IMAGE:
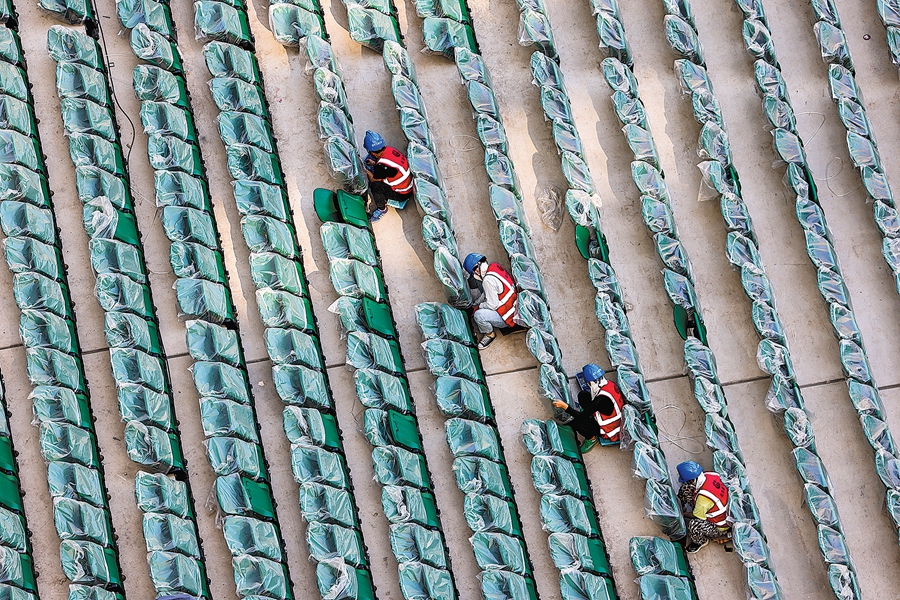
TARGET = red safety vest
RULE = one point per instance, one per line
(611, 424)
(507, 296)
(402, 182)
(709, 485)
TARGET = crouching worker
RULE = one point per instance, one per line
(600, 417)
(389, 176)
(496, 300)
(704, 499)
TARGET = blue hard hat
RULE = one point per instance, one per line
(592, 372)
(688, 470)
(472, 260)
(373, 142)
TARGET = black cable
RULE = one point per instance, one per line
(112, 87)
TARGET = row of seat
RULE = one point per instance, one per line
(372, 23)
(19, 201)
(662, 569)
(317, 456)
(862, 389)
(233, 440)
(678, 279)
(132, 330)
(568, 512)
(389, 421)
(742, 252)
(889, 11)
(462, 395)
(297, 22)
(534, 28)
(53, 356)
(582, 204)
(515, 236)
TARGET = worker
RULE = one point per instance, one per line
(600, 417)
(496, 299)
(704, 500)
(388, 173)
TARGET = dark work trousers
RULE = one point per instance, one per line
(380, 192)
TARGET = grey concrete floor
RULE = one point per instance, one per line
(512, 373)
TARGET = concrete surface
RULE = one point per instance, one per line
(512, 375)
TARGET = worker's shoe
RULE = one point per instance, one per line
(377, 214)
(589, 444)
(486, 340)
(692, 548)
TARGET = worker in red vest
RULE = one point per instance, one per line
(388, 173)
(600, 417)
(497, 308)
(704, 498)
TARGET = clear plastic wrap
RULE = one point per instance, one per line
(423, 582)
(223, 22)
(604, 279)
(534, 29)
(413, 543)
(471, 438)
(653, 555)
(619, 77)
(683, 39)
(450, 273)
(444, 36)
(437, 234)
(833, 44)
(720, 435)
(445, 357)
(507, 206)
(495, 551)
(758, 41)
(459, 397)
(526, 274)
(661, 506)
(612, 37)
(371, 27)
(415, 127)
(154, 48)
(291, 24)
(344, 164)
(544, 348)
(471, 66)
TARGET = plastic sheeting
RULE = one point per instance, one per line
(439, 321)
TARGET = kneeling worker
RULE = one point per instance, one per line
(388, 173)
(600, 417)
(497, 309)
(704, 499)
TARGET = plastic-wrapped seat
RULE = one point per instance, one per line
(326, 504)
(163, 118)
(326, 540)
(423, 582)
(81, 521)
(278, 308)
(376, 389)
(82, 592)
(577, 585)
(396, 466)
(489, 513)
(174, 573)
(544, 438)
(414, 543)
(16, 115)
(152, 83)
(302, 386)
(219, 21)
(230, 93)
(346, 241)
(218, 380)
(245, 128)
(169, 533)
(155, 15)
(227, 60)
(567, 514)
(46, 330)
(471, 438)
(575, 551)
(35, 291)
(666, 586)
(365, 315)
(19, 183)
(458, 397)
(291, 23)
(310, 426)
(60, 404)
(155, 48)
(499, 551)
(84, 116)
(232, 455)
(404, 504)
(67, 443)
(557, 475)
(265, 234)
(475, 475)
(289, 346)
(158, 493)
(440, 321)
(241, 496)
(70, 45)
(336, 579)
(89, 563)
(204, 299)
(355, 278)
(258, 198)
(370, 351)
(17, 569)
(313, 464)
(75, 80)
(443, 36)
(214, 343)
(372, 28)
(227, 418)
(192, 260)
(658, 556)
(245, 535)
(249, 162)
(46, 366)
(258, 576)
(391, 428)
(168, 153)
(445, 357)
(153, 447)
